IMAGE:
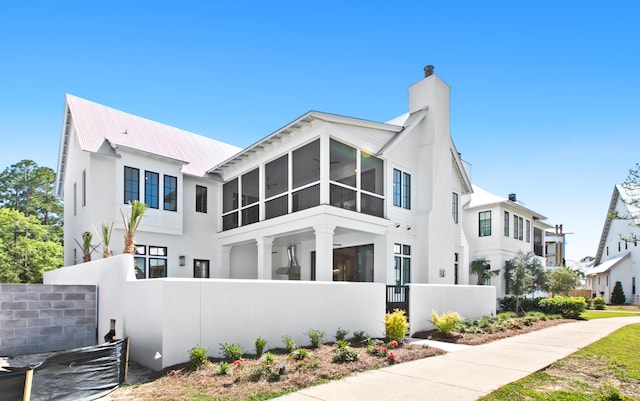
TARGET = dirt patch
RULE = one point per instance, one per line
(477, 339)
(184, 383)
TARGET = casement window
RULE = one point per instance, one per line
(201, 199)
(152, 259)
(151, 189)
(506, 224)
(456, 278)
(402, 263)
(484, 224)
(528, 231)
(518, 227)
(200, 268)
(170, 193)
(454, 207)
(131, 184)
(401, 189)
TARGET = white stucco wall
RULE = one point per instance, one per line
(170, 316)
(470, 301)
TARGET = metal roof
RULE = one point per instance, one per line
(95, 123)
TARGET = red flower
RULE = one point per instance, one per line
(394, 343)
(392, 356)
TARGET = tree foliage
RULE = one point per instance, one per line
(562, 280)
(631, 198)
(26, 248)
(30, 189)
(482, 269)
(525, 275)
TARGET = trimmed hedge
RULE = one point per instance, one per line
(508, 304)
(568, 307)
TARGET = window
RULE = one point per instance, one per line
(170, 193)
(306, 165)
(250, 197)
(528, 231)
(454, 207)
(75, 199)
(230, 204)
(84, 188)
(158, 263)
(276, 177)
(402, 263)
(131, 184)
(456, 278)
(151, 189)
(353, 264)
(401, 189)
(506, 224)
(201, 199)
(200, 268)
(518, 227)
(372, 175)
(155, 257)
(484, 223)
(633, 286)
(342, 163)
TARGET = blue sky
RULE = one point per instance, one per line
(545, 95)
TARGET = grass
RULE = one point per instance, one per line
(606, 370)
(601, 314)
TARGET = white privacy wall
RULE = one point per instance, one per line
(470, 301)
(167, 317)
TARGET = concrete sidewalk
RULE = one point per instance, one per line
(468, 373)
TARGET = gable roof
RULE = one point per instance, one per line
(97, 126)
(483, 198)
(629, 194)
(305, 119)
(607, 265)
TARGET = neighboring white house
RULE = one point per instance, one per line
(326, 197)
(618, 256)
(497, 228)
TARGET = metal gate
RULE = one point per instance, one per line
(398, 298)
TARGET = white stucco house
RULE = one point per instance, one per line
(618, 256)
(497, 228)
(326, 197)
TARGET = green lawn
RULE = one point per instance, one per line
(606, 370)
(599, 314)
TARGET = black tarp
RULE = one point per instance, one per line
(79, 374)
(12, 383)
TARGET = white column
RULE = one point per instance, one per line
(224, 262)
(264, 257)
(324, 251)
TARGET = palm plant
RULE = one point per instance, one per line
(87, 247)
(106, 239)
(482, 269)
(131, 224)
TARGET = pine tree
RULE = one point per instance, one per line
(617, 295)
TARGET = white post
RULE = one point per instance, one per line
(264, 257)
(324, 251)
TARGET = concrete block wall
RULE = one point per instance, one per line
(38, 318)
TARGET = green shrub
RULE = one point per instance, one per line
(269, 368)
(231, 352)
(198, 357)
(508, 303)
(396, 325)
(299, 354)
(260, 343)
(598, 303)
(341, 334)
(617, 295)
(289, 343)
(344, 353)
(223, 369)
(316, 337)
(568, 307)
(362, 338)
(447, 323)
